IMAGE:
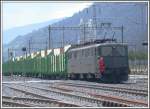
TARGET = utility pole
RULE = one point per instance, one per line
(84, 33)
(94, 20)
(8, 54)
(135, 63)
(10, 57)
(29, 47)
(122, 32)
(94, 15)
(24, 52)
(145, 45)
(46, 45)
(49, 41)
(63, 37)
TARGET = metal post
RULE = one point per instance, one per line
(145, 44)
(9, 60)
(84, 34)
(46, 45)
(122, 32)
(63, 36)
(94, 20)
(49, 43)
(11, 57)
(29, 46)
(8, 54)
(24, 51)
(135, 63)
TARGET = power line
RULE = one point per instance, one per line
(36, 43)
(78, 27)
(81, 28)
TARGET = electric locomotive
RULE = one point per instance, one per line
(100, 60)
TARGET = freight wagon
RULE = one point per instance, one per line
(45, 64)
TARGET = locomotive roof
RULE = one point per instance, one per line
(95, 45)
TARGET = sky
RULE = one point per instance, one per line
(16, 14)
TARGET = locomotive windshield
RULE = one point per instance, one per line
(113, 51)
(106, 51)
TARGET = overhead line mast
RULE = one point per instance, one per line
(49, 41)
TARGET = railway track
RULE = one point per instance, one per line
(96, 98)
(41, 99)
(14, 104)
(90, 102)
(139, 92)
(110, 98)
(34, 102)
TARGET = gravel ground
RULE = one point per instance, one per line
(18, 78)
(16, 81)
(89, 90)
(57, 96)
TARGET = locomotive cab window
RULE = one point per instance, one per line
(106, 51)
(120, 51)
(113, 51)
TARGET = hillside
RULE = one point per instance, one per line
(131, 15)
(11, 34)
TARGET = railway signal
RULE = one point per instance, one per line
(145, 43)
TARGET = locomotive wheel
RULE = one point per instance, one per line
(72, 76)
(81, 77)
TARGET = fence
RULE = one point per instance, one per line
(138, 66)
